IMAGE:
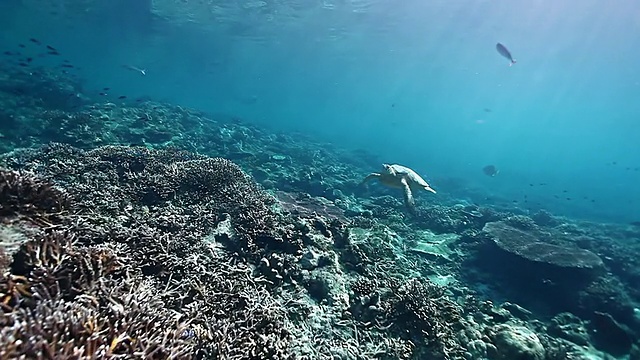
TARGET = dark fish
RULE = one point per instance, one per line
(8, 53)
(53, 53)
(23, 64)
(502, 50)
(106, 89)
(29, 60)
(35, 41)
(67, 66)
(490, 170)
(122, 97)
(102, 94)
(51, 48)
(22, 46)
(487, 110)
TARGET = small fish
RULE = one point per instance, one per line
(502, 50)
(490, 170)
(67, 66)
(121, 97)
(23, 64)
(133, 68)
(487, 110)
(21, 45)
(53, 53)
(35, 41)
(29, 60)
(51, 48)
(106, 89)
(102, 94)
(9, 53)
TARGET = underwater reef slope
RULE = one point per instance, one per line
(131, 252)
(148, 230)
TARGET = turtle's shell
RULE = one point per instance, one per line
(412, 176)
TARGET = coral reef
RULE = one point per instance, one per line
(217, 239)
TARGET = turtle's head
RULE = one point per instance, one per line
(389, 169)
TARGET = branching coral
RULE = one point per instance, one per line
(123, 230)
(23, 194)
(65, 302)
(420, 309)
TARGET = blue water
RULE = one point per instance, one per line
(417, 82)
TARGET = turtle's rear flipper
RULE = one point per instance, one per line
(408, 196)
(428, 188)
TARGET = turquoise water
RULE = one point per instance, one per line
(419, 83)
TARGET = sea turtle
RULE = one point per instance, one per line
(398, 176)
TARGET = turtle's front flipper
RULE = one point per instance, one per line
(368, 178)
(408, 196)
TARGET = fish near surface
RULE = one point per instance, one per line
(502, 50)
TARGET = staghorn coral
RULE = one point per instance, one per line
(91, 328)
(168, 241)
(23, 194)
(60, 301)
(134, 179)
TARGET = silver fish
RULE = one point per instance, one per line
(505, 52)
